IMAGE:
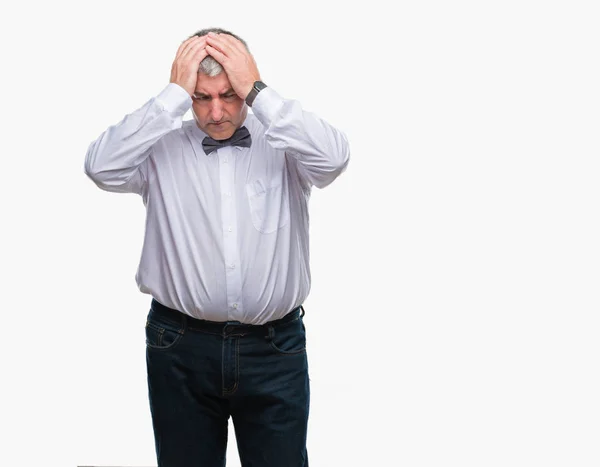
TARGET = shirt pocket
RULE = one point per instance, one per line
(269, 205)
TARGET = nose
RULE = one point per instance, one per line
(216, 110)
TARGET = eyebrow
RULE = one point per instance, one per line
(201, 94)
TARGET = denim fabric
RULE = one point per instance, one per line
(202, 372)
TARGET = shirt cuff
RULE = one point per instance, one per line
(175, 100)
(266, 106)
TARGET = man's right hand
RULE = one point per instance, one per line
(184, 71)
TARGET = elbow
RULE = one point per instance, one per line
(343, 159)
(101, 174)
(340, 161)
(337, 165)
(94, 169)
(89, 169)
(343, 153)
(90, 166)
(96, 177)
(108, 180)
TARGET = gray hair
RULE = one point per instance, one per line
(209, 66)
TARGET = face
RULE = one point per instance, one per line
(217, 109)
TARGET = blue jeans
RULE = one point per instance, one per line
(202, 372)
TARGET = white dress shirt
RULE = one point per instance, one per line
(226, 235)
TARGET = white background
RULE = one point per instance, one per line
(454, 315)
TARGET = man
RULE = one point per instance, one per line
(226, 252)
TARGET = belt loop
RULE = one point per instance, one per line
(184, 321)
(302, 311)
(269, 337)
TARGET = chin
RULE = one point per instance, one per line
(221, 133)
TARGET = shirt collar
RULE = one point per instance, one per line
(192, 128)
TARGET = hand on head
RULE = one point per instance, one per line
(236, 60)
(184, 70)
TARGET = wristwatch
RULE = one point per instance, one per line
(256, 88)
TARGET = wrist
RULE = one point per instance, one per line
(175, 99)
(257, 86)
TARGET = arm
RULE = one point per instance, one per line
(115, 160)
(321, 151)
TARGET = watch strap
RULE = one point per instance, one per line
(256, 88)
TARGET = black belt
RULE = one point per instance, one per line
(217, 327)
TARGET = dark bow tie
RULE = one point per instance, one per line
(241, 137)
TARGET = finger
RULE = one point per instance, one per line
(198, 42)
(193, 48)
(214, 53)
(185, 47)
(233, 42)
(219, 44)
(200, 55)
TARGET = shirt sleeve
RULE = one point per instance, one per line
(321, 151)
(115, 161)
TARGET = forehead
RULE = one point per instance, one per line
(212, 84)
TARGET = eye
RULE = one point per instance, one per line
(200, 98)
(230, 96)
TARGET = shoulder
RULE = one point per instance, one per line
(177, 135)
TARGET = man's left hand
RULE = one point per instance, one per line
(237, 62)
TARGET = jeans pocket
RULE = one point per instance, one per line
(289, 338)
(162, 334)
(269, 205)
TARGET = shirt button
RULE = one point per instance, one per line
(225, 160)
(232, 266)
(235, 305)
(230, 229)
